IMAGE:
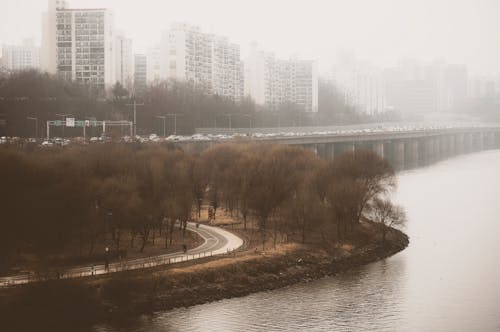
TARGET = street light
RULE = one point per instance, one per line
(36, 125)
(229, 115)
(106, 262)
(174, 115)
(249, 120)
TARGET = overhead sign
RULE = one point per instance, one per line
(87, 123)
(70, 122)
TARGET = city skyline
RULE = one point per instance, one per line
(399, 22)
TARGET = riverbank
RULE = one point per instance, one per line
(260, 272)
(122, 297)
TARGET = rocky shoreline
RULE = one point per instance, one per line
(267, 273)
(121, 298)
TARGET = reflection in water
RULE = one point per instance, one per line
(448, 279)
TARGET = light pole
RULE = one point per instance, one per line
(36, 125)
(174, 115)
(163, 118)
(229, 115)
(249, 120)
(106, 262)
(135, 114)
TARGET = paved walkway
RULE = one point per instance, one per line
(217, 241)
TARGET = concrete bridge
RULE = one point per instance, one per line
(405, 147)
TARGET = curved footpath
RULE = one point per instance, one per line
(216, 242)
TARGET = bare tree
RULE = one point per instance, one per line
(383, 211)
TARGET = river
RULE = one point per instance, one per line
(448, 279)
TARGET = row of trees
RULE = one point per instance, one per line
(34, 94)
(292, 191)
(53, 198)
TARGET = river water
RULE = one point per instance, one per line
(448, 279)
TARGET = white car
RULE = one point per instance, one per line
(47, 144)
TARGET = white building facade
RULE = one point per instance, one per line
(153, 64)
(274, 82)
(124, 61)
(18, 57)
(209, 62)
(79, 44)
(140, 74)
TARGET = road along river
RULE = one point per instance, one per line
(216, 242)
(448, 279)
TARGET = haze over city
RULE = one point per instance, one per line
(380, 32)
(249, 165)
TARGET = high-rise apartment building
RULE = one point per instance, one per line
(140, 74)
(49, 35)
(361, 84)
(16, 57)
(438, 87)
(274, 82)
(153, 64)
(80, 44)
(207, 61)
(227, 69)
(124, 61)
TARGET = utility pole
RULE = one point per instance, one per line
(135, 114)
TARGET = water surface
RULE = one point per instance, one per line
(448, 279)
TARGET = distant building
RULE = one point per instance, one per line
(482, 87)
(153, 64)
(16, 57)
(434, 88)
(273, 82)
(361, 84)
(140, 74)
(49, 35)
(80, 44)
(207, 61)
(124, 61)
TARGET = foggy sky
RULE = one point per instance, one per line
(380, 31)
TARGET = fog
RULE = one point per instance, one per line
(380, 32)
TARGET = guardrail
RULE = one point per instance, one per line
(112, 268)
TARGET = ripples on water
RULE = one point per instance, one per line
(448, 279)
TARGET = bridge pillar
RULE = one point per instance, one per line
(459, 143)
(490, 140)
(378, 148)
(394, 152)
(437, 148)
(468, 142)
(310, 147)
(329, 151)
(399, 154)
(429, 150)
(411, 153)
(344, 147)
(479, 141)
(321, 150)
(452, 151)
(497, 139)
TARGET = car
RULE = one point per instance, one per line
(154, 138)
(47, 144)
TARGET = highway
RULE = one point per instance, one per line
(217, 241)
